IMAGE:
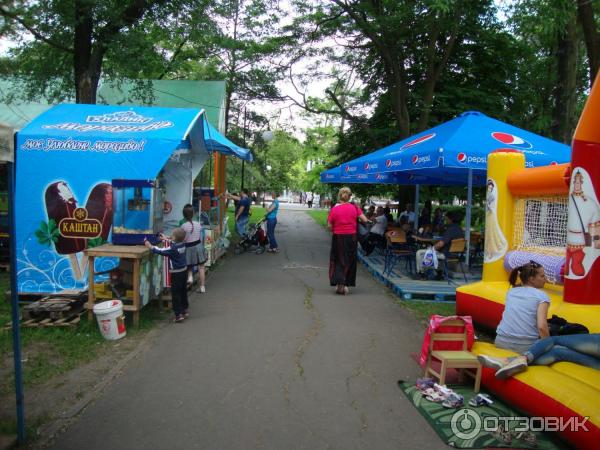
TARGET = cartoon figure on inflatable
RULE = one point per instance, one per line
(550, 215)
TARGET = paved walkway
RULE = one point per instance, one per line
(270, 358)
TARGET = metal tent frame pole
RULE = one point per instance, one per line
(14, 301)
(468, 217)
(416, 207)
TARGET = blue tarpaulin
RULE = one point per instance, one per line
(442, 155)
(66, 159)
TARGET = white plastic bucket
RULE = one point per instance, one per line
(110, 319)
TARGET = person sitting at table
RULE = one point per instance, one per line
(438, 222)
(425, 216)
(424, 232)
(408, 213)
(453, 231)
(370, 212)
(387, 212)
(376, 234)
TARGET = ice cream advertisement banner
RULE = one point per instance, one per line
(66, 160)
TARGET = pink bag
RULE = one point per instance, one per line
(436, 325)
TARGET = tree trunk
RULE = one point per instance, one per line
(82, 45)
(587, 19)
(563, 122)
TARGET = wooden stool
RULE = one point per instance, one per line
(453, 359)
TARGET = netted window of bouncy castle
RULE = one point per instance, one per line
(541, 225)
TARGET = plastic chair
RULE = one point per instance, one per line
(463, 360)
(456, 252)
(397, 248)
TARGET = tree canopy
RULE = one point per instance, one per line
(393, 68)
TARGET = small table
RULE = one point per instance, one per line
(133, 252)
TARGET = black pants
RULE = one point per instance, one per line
(179, 297)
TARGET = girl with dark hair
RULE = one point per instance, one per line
(195, 253)
(524, 320)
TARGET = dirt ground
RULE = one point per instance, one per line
(51, 405)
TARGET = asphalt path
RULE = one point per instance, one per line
(271, 358)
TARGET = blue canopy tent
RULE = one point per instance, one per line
(455, 153)
(72, 150)
(337, 175)
(215, 141)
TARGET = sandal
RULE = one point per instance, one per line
(423, 384)
(480, 400)
(454, 400)
(436, 397)
(429, 392)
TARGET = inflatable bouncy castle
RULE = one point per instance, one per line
(550, 215)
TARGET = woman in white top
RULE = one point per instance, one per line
(525, 315)
(195, 252)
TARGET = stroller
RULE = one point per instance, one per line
(255, 239)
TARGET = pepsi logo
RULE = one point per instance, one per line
(418, 141)
(420, 159)
(366, 166)
(553, 163)
(511, 139)
(350, 168)
(347, 169)
(388, 163)
(393, 163)
(463, 158)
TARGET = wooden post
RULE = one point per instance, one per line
(136, 292)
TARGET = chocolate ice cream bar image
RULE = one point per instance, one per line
(61, 204)
(99, 207)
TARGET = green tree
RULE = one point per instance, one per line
(73, 39)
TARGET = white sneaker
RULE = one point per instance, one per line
(202, 289)
(491, 362)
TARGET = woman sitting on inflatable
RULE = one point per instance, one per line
(524, 329)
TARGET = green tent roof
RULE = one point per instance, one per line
(208, 95)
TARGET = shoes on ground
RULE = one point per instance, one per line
(179, 318)
(511, 368)
(480, 400)
(423, 384)
(454, 400)
(186, 314)
(202, 289)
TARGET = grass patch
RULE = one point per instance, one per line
(257, 213)
(48, 352)
(424, 309)
(319, 216)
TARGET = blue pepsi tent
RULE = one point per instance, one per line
(453, 153)
(337, 175)
(74, 151)
(448, 152)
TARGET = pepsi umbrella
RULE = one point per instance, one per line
(448, 151)
(336, 175)
(455, 152)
